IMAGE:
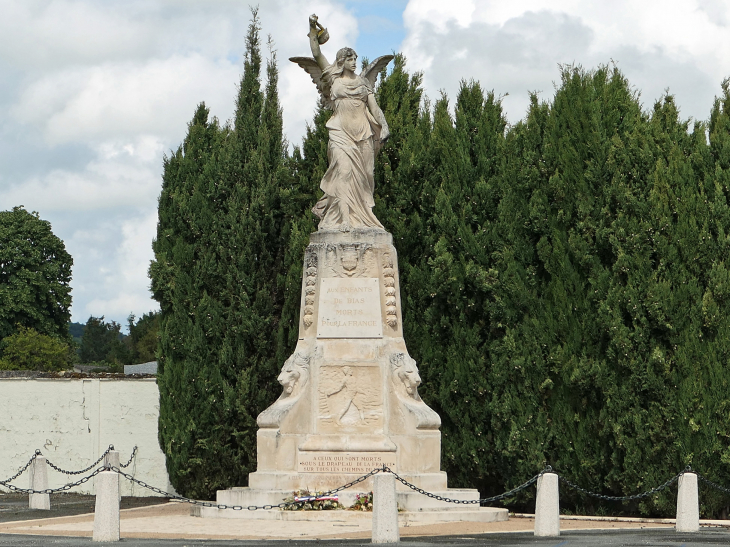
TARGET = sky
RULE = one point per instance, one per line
(94, 93)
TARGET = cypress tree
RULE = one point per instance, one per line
(218, 277)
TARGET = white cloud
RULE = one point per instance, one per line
(124, 173)
(515, 47)
(124, 286)
(125, 99)
(114, 84)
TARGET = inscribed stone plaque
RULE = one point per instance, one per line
(343, 462)
(349, 308)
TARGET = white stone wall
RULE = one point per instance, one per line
(73, 421)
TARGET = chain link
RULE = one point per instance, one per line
(508, 494)
(712, 484)
(22, 469)
(89, 468)
(63, 488)
(134, 453)
(237, 507)
(646, 494)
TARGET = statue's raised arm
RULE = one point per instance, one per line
(356, 130)
(317, 35)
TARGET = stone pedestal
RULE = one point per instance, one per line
(350, 399)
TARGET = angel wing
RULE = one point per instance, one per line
(370, 73)
(312, 68)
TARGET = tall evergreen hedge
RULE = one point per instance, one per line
(565, 281)
(218, 275)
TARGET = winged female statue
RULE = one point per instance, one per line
(356, 130)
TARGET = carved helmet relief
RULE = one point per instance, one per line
(294, 374)
(405, 375)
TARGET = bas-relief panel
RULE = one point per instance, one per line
(350, 399)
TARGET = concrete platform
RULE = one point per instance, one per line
(405, 518)
(173, 521)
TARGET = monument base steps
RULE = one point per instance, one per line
(408, 500)
(405, 518)
(320, 482)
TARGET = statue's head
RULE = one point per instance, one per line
(340, 59)
(294, 372)
(405, 371)
(343, 54)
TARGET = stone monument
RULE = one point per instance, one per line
(350, 399)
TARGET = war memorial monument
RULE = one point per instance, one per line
(350, 399)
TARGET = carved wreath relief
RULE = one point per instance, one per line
(310, 289)
(389, 282)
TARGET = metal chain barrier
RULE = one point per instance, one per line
(89, 468)
(22, 469)
(508, 494)
(712, 484)
(63, 488)
(646, 494)
(134, 453)
(236, 507)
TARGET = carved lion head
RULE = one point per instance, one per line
(295, 372)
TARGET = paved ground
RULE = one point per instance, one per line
(170, 524)
(14, 507)
(567, 539)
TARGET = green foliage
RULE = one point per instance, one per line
(35, 272)
(76, 331)
(143, 337)
(220, 279)
(561, 299)
(102, 341)
(564, 281)
(27, 349)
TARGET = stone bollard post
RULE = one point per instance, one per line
(385, 509)
(547, 506)
(112, 460)
(39, 481)
(106, 511)
(688, 506)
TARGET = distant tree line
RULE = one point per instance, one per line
(103, 343)
(565, 281)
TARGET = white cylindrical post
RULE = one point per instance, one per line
(688, 505)
(39, 481)
(106, 512)
(112, 460)
(547, 506)
(385, 509)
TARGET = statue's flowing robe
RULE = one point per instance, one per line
(349, 181)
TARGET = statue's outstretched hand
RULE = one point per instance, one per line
(384, 134)
(313, 21)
